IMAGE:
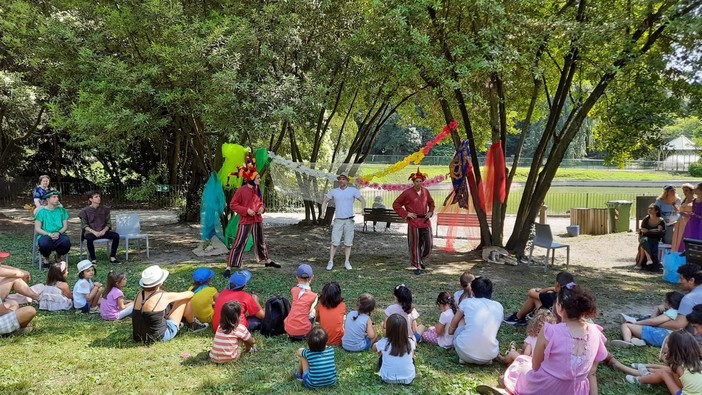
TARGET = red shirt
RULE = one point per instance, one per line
(332, 321)
(412, 202)
(246, 197)
(248, 306)
(298, 321)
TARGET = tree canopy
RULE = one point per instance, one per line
(151, 89)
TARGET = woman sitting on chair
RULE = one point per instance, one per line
(40, 193)
(50, 224)
(650, 234)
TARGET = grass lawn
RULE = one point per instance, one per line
(71, 353)
(595, 174)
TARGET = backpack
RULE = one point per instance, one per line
(277, 309)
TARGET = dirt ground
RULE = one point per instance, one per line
(289, 243)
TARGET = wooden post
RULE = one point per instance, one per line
(542, 214)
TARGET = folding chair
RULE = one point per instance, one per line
(544, 239)
(128, 227)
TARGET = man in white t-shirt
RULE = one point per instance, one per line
(476, 341)
(343, 197)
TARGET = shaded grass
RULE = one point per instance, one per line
(72, 353)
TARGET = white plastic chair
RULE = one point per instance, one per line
(544, 239)
(128, 227)
(84, 243)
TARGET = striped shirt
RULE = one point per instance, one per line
(227, 346)
(322, 367)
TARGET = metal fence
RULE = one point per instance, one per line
(559, 203)
(18, 192)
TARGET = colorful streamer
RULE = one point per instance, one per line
(401, 187)
(414, 158)
(364, 181)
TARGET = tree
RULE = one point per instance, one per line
(493, 62)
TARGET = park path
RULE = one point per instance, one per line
(172, 241)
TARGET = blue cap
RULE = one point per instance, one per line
(304, 271)
(202, 275)
(239, 279)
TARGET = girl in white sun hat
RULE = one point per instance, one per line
(86, 292)
(157, 314)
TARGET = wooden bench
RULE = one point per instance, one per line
(381, 215)
(693, 251)
(458, 219)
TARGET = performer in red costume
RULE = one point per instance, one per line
(248, 204)
(417, 207)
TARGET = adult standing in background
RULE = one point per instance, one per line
(693, 229)
(417, 207)
(685, 210)
(51, 224)
(40, 192)
(248, 204)
(96, 223)
(343, 197)
(669, 203)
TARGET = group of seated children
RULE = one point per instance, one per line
(88, 296)
(476, 320)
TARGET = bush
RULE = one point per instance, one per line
(143, 193)
(696, 169)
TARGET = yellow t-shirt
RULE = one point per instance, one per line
(202, 303)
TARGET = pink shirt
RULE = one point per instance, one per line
(109, 306)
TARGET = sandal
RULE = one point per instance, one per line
(512, 346)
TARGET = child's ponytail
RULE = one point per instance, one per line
(404, 298)
(446, 298)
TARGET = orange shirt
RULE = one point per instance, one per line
(298, 321)
(332, 321)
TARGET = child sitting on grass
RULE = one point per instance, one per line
(205, 294)
(231, 335)
(299, 321)
(438, 334)
(533, 329)
(651, 330)
(359, 333)
(566, 355)
(316, 365)
(682, 373)
(331, 312)
(465, 291)
(86, 292)
(57, 294)
(539, 298)
(113, 306)
(251, 311)
(396, 351)
(404, 307)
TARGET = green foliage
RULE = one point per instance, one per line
(142, 193)
(696, 169)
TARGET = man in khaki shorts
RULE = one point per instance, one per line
(343, 197)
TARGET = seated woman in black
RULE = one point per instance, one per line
(650, 234)
(157, 314)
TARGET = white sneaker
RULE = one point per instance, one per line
(330, 265)
(643, 370)
(347, 265)
(637, 342)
